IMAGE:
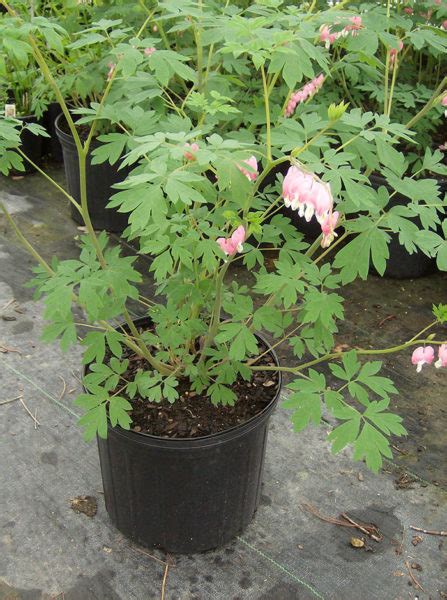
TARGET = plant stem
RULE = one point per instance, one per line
(25, 242)
(391, 92)
(215, 315)
(51, 180)
(159, 366)
(429, 104)
(267, 115)
(413, 342)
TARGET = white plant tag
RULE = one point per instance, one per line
(10, 111)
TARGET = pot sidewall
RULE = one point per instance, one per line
(100, 179)
(185, 495)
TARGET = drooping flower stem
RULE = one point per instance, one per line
(267, 115)
(429, 104)
(334, 355)
(391, 92)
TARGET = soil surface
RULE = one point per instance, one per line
(193, 415)
(83, 130)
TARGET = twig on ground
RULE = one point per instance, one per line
(36, 422)
(388, 318)
(35, 419)
(413, 578)
(7, 305)
(76, 376)
(428, 531)
(165, 578)
(62, 394)
(398, 449)
(6, 349)
(11, 400)
(141, 551)
(369, 530)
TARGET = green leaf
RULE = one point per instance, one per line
(96, 347)
(221, 394)
(344, 434)
(94, 422)
(372, 446)
(118, 412)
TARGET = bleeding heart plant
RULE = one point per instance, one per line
(208, 118)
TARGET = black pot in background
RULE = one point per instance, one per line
(311, 229)
(184, 495)
(100, 179)
(52, 145)
(31, 145)
(401, 264)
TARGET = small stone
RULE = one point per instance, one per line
(137, 428)
(9, 318)
(360, 476)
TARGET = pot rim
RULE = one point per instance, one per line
(60, 133)
(205, 440)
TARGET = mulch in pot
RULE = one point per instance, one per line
(192, 414)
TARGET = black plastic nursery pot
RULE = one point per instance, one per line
(100, 179)
(31, 145)
(401, 264)
(51, 145)
(185, 495)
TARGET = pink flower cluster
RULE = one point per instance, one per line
(303, 94)
(444, 103)
(112, 67)
(329, 37)
(234, 243)
(309, 196)
(149, 51)
(394, 52)
(190, 153)
(253, 163)
(426, 355)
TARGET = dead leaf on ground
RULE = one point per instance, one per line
(87, 505)
(404, 482)
(357, 542)
(416, 539)
(341, 347)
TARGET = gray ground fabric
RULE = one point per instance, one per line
(47, 551)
